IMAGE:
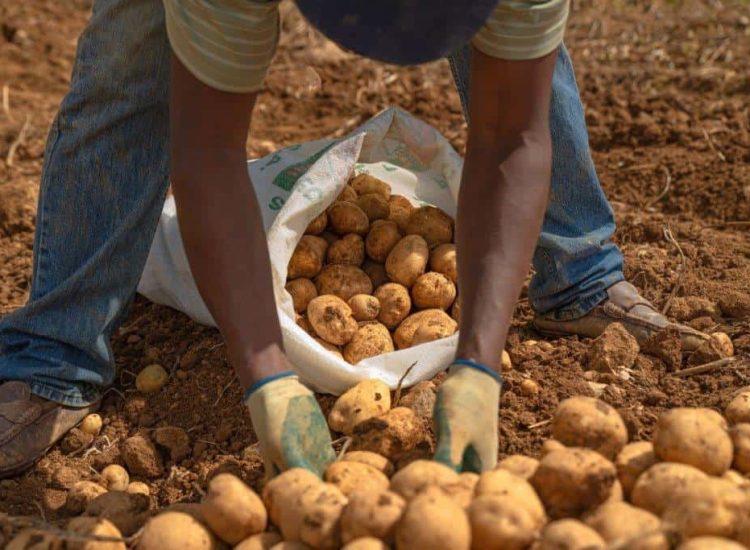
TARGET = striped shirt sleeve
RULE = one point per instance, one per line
(523, 29)
(226, 44)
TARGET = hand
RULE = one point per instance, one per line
(290, 426)
(465, 418)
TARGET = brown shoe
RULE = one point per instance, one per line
(627, 307)
(30, 425)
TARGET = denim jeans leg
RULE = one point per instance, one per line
(575, 260)
(103, 185)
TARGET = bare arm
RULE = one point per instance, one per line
(503, 195)
(221, 223)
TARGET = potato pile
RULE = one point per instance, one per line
(373, 273)
(590, 489)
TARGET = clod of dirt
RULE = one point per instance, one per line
(420, 399)
(735, 304)
(81, 494)
(141, 457)
(18, 207)
(65, 477)
(710, 350)
(392, 434)
(127, 511)
(667, 346)
(175, 439)
(687, 308)
(76, 440)
(616, 347)
(135, 406)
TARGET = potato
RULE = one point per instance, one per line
(499, 523)
(91, 424)
(98, 527)
(456, 311)
(738, 409)
(307, 258)
(632, 461)
(391, 435)
(740, 434)
(318, 225)
(115, 477)
(347, 217)
(349, 250)
(400, 211)
(304, 323)
(261, 541)
(138, 487)
(282, 491)
(432, 520)
(431, 332)
(348, 194)
(81, 494)
(366, 543)
(381, 239)
(658, 485)
(395, 304)
(407, 260)
(232, 509)
(443, 260)
(374, 205)
(290, 545)
(317, 516)
(371, 339)
(710, 543)
(351, 477)
(419, 475)
(331, 319)
(329, 237)
(376, 273)
(588, 422)
(302, 291)
(505, 363)
(709, 506)
(431, 319)
(127, 511)
(151, 379)
(343, 281)
(697, 437)
(724, 343)
(743, 532)
(511, 487)
(371, 514)
(364, 307)
(520, 465)
(733, 476)
(368, 399)
(550, 445)
(618, 522)
(462, 490)
(175, 531)
(365, 184)
(432, 224)
(572, 481)
(570, 534)
(380, 463)
(433, 290)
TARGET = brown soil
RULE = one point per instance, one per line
(667, 90)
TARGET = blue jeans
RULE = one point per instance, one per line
(106, 175)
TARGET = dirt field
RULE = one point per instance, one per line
(667, 91)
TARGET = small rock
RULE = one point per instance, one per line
(667, 346)
(616, 347)
(76, 440)
(134, 407)
(141, 457)
(420, 399)
(65, 477)
(54, 499)
(189, 359)
(735, 304)
(655, 398)
(175, 439)
(687, 308)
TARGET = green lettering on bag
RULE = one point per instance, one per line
(276, 203)
(289, 175)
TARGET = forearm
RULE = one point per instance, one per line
(501, 207)
(503, 196)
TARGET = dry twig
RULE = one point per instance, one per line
(712, 146)
(680, 270)
(667, 185)
(707, 367)
(223, 391)
(397, 394)
(18, 141)
(539, 424)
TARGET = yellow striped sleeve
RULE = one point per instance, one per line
(226, 44)
(523, 29)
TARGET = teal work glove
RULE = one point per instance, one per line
(290, 426)
(465, 417)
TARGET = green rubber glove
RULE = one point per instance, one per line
(290, 426)
(465, 417)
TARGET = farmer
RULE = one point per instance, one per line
(107, 169)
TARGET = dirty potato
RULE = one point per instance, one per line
(307, 258)
(395, 304)
(407, 260)
(432, 224)
(364, 307)
(349, 250)
(374, 205)
(302, 291)
(427, 320)
(347, 217)
(400, 211)
(318, 225)
(343, 281)
(381, 239)
(433, 290)
(331, 319)
(365, 184)
(443, 260)
(371, 339)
